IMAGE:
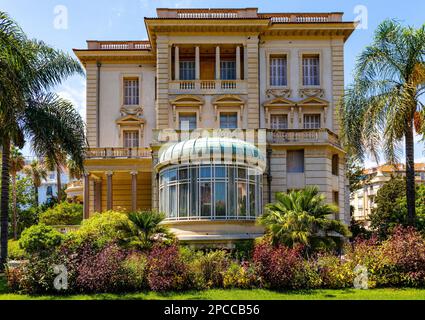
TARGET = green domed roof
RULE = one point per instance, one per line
(212, 150)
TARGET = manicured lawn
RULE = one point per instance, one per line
(257, 294)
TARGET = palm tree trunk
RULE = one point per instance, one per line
(58, 182)
(410, 174)
(36, 195)
(4, 205)
(15, 213)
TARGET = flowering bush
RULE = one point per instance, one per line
(166, 270)
(334, 272)
(240, 276)
(405, 253)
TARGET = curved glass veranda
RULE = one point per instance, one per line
(211, 179)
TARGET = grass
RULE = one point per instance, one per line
(234, 294)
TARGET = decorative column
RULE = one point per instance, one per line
(133, 190)
(86, 195)
(217, 63)
(176, 64)
(109, 194)
(197, 64)
(238, 63)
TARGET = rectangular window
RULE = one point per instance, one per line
(131, 139)
(295, 161)
(228, 120)
(278, 71)
(187, 121)
(242, 199)
(279, 121)
(311, 70)
(131, 91)
(312, 121)
(335, 164)
(184, 199)
(227, 70)
(205, 199)
(220, 199)
(335, 200)
(187, 70)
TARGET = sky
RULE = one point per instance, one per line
(67, 24)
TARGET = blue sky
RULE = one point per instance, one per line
(123, 20)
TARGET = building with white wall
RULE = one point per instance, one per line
(212, 115)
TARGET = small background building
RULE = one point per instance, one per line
(363, 200)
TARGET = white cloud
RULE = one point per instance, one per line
(76, 94)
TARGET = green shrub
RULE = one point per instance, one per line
(335, 273)
(135, 266)
(240, 276)
(101, 228)
(64, 213)
(212, 265)
(15, 252)
(244, 249)
(40, 239)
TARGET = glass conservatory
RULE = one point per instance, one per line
(211, 179)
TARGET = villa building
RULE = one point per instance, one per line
(362, 201)
(212, 115)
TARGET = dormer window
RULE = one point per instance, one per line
(131, 91)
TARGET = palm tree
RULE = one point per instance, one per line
(16, 164)
(302, 217)
(37, 171)
(378, 109)
(74, 170)
(143, 228)
(28, 111)
(54, 161)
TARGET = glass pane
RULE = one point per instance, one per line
(220, 172)
(183, 174)
(206, 172)
(242, 199)
(220, 199)
(183, 200)
(194, 191)
(172, 202)
(228, 120)
(295, 161)
(172, 175)
(228, 70)
(252, 200)
(206, 199)
(241, 173)
(231, 188)
(187, 122)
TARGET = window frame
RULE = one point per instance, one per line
(311, 114)
(228, 112)
(186, 113)
(288, 165)
(278, 52)
(182, 70)
(285, 68)
(129, 77)
(137, 134)
(274, 114)
(302, 54)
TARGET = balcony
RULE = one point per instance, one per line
(302, 136)
(118, 153)
(118, 45)
(208, 87)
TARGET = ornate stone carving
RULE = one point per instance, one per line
(129, 111)
(311, 92)
(278, 93)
